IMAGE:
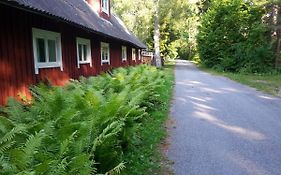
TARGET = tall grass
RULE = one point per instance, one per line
(85, 127)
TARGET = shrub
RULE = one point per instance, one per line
(232, 37)
(82, 128)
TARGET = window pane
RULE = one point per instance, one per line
(52, 50)
(104, 4)
(41, 55)
(80, 52)
(107, 53)
(124, 54)
(133, 54)
(85, 52)
(102, 53)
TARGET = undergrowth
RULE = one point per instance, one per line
(145, 156)
(90, 126)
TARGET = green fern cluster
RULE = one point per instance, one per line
(85, 127)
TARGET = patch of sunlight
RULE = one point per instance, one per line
(196, 82)
(211, 90)
(230, 89)
(266, 97)
(193, 1)
(183, 83)
(245, 133)
(249, 166)
(196, 98)
(200, 107)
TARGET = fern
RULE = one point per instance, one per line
(6, 167)
(116, 170)
(60, 168)
(83, 128)
(31, 147)
(19, 129)
(6, 146)
(64, 147)
(113, 129)
(5, 125)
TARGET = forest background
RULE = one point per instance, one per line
(227, 35)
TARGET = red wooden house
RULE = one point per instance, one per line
(58, 40)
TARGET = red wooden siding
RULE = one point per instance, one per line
(16, 53)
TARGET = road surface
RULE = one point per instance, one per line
(222, 127)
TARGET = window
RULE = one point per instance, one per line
(139, 54)
(83, 51)
(46, 49)
(105, 6)
(133, 54)
(124, 53)
(105, 53)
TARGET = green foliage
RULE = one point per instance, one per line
(178, 24)
(232, 37)
(144, 156)
(137, 15)
(83, 128)
(176, 28)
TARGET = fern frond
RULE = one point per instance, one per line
(14, 109)
(60, 168)
(31, 147)
(6, 167)
(64, 147)
(26, 173)
(113, 129)
(116, 170)
(18, 129)
(82, 165)
(6, 146)
(5, 124)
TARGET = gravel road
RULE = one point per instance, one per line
(222, 127)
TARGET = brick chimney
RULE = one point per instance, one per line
(102, 7)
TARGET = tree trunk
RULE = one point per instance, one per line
(156, 37)
(276, 33)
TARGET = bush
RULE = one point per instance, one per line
(82, 128)
(233, 37)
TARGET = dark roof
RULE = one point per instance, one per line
(78, 12)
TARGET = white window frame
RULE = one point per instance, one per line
(86, 42)
(108, 52)
(134, 55)
(105, 8)
(124, 53)
(139, 54)
(44, 34)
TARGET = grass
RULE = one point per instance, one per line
(268, 83)
(145, 158)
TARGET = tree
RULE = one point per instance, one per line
(177, 23)
(156, 37)
(274, 22)
(138, 17)
(232, 37)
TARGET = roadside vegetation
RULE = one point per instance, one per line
(268, 82)
(110, 124)
(146, 157)
(234, 38)
(241, 40)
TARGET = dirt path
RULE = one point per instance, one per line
(222, 127)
